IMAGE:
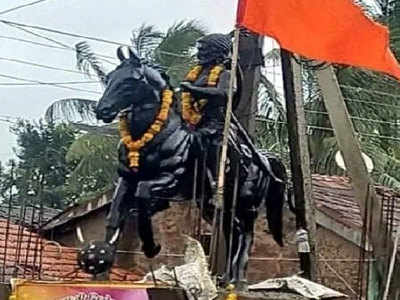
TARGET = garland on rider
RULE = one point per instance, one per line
(209, 81)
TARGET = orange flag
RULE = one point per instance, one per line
(329, 30)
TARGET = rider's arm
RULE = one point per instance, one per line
(218, 93)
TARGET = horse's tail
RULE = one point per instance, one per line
(275, 199)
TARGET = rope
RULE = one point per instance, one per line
(339, 276)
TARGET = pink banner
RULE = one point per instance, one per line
(52, 291)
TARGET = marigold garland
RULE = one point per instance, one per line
(191, 110)
(134, 146)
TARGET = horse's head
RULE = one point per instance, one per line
(131, 83)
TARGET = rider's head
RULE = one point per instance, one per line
(213, 48)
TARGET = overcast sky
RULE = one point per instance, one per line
(111, 20)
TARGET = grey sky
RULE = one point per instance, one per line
(112, 20)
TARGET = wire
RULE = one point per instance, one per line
(354, 118)
(261, 119)
(41, 36)
(63, 46)
(53, 47)
(369, 91)
(41, 28)
(10, 23)
(20, 6)
(48, 84)
(20, 61)
(372, 103)
(33, 42)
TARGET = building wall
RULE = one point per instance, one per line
(268, 260)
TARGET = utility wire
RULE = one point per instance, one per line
(40, 36)
(20, 61)
(261, 119)
(49, 84)
(42, 28)
(20, 6)
(372, 103)
(33, 42)
(358, 89)
(63, 46)
(53, 47)
(354, 118)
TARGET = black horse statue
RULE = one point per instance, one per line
(163, 166)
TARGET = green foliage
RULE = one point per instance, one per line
(372, 100)
(95, 162)
(175, 51)
(40, 172)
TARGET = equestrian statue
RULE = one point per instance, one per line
(163, 134)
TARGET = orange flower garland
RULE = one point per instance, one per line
(191, 110)
(134, 146)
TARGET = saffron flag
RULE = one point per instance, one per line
(329, 30)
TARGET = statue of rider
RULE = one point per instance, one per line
(208, 85)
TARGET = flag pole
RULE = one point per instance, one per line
(219, 199)
(228, 118)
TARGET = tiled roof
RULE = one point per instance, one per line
(25, 254)
(77, 211)
(30, 215)
(334, 196)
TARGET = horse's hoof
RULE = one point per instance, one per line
(151, 252)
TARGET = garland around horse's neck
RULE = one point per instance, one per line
(134, 146)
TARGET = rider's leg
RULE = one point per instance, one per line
(149, 204)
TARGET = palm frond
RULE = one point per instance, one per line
(386, 6)
(86, 60)
(146, 39)
(270, 101)
(176, 48)
(71, 110)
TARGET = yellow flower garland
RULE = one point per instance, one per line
(191, 110)
(134, 146)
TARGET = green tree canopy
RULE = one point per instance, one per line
(40, 172)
